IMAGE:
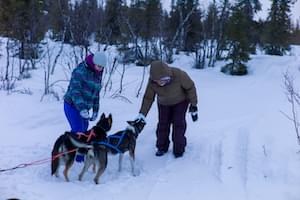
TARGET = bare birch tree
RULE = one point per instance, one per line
(170, 45)
(293, 98)
(49, 62)
(8, 79)
(109, 81)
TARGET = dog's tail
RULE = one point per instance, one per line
(55, 151)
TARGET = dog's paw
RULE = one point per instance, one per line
(96, 181)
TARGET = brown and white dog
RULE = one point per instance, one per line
(66, 146)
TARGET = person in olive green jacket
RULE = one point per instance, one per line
(175, 91)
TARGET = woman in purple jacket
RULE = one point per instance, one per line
(83, 94)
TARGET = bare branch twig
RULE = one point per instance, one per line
(293, 98)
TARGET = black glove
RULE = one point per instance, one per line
(94, 116)
(194, 112)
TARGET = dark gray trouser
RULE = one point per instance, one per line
(172, 115)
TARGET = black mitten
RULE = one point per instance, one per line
(194, 112)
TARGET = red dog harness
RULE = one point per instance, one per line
(88, 136)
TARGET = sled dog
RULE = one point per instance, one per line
(66, 146)
(118, 143)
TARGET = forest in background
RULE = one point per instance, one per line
(142, 31)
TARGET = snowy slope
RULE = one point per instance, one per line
(241, 147)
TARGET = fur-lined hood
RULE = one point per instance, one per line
(180, 88)
(159, 69)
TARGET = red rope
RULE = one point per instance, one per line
(88, 136)
(38, 162)
(92, 134)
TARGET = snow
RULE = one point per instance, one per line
(242, 146)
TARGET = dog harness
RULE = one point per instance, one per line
(88, 136)
(109, 143)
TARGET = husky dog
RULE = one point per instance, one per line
(65, 147)
(118, 143)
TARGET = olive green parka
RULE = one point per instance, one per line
(180, 88)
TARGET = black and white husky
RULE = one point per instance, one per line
(118, 143)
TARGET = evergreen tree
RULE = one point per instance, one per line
(100, 29)
(193, 27)
(221, 38)
(189, 30)
(83, 25)
(295, 36)
(11, 12)
(24, 21)
(143, 22)
(59, 19)
(152, 16)
(113, 21)
(211, 22)
(250, 7)
(237, 34)
(211, 33)
(151, 28)
(277, 32)
(136, 18)
(182, 27)
(135, 22)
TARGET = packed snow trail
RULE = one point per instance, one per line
(241, 147)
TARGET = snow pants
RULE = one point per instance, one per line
(172, 115)
(77, 123)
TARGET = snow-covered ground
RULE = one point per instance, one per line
(242, 146)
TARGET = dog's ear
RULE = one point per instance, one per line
(110, 119)
(102, 116)
(131, 123)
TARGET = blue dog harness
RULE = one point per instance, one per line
(109, 143)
